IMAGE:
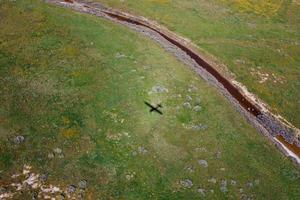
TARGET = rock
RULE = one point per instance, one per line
(61, 155)
(134, 153)
(212, 180)
(256, 182)
(212, 191)
(50, 155)
(222, 169)
(142, 150)
(119, 55)
(43, 178)
(187, 105)
(203, 163)
(82, 184)
(57, 150)
(233, 182)
(249, 185)
(241, 190)
(189, 98)
(159, 89)
(190, 169)
(223, 189)
(19, 139)
(187, 183)
(199, 127)
(71, 189)
(197, 108)
(201, 191)
(218, 154)
(224, 183)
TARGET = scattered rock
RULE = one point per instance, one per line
(212, 191)
(19, 139)
(212, 180)
(256, 182)
(197, 108)
(203, 163)
(43, 178)
(201, 191)
(50, 155)
(159, 89)
(57, 150)
(249, 185)
(241, 190)
(119, 55)
(223, 187)
(218, 155)
(187, 183)
(190, 169)
(134, 153)
(222, 169)
(71, 189)
(82, 184)
(142, 150)
(187, 105)
(199, 127)
(61, 155)
(233, 182)
(189, 98)
(130, 176)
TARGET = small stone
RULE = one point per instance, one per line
(212, 180)
(189, 98)
(187, 183)
(57, 150)
(233, 182)
(159, 89)
(223, 189)
(50, 155)
(61, 155)
(222, 169)
(71, 189)
(142, 150)
(212, 191)
(119, 55)
(203, 163)
(43, 178)
(201, 191)
(218, 155)
(190, 169)
(249, 185)
(256, 182)
(224, 183)
(187, 105)
(241, 190)
(134, 153)
(82, 184)
(19, 139)
(197, 108)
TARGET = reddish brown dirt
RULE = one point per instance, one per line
(291, 147)
(69, 1)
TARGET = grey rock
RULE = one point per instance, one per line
(212, 180)
(190, 169)
(249, 185)
(187, 105)
(203, 163)
(189, 98)
(43, 178)
(224, 189)
(119, 55)
(61, 155)
(159, 89)
(233, 182)
(82, 184)
(199, 127)
(50, 155)
(19, 139)
(256, 182)
(218, 155)
(201, 191)
(57, 150)
(71, 189)
(187, 183)
(224, 183)
(142, 150)
(197, 108)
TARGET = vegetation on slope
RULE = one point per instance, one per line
(74, 85)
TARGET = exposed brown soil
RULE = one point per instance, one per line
(291, 147)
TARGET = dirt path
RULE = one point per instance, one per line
(285, 136)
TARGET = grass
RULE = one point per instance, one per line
(250, 37)
(63, 85)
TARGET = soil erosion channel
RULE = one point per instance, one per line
(281, 134)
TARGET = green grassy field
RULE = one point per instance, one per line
(78, 83)
(258, 41)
